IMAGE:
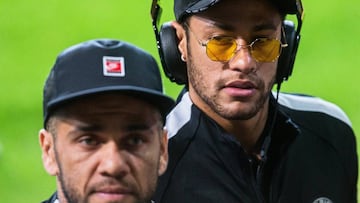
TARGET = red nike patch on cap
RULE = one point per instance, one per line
(113, 66)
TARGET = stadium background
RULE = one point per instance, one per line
(32, 33)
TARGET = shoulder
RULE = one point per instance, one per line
(319, 121)
(52, 199)
(325, 130)
(309, 106)
(179, 116)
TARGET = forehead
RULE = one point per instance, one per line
(109, 105)
(242, 12)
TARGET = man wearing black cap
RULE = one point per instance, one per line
(231, 139)
(103, 135)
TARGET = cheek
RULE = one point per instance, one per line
(75, 164)
(267, 71)
(202, 70)
(144, 171)
(147, 162)
(197, 55)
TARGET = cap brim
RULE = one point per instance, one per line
(198, 7)
(162, 102)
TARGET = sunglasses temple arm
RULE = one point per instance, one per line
(283, 42)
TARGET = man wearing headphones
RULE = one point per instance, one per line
(230, 138)
(104, 112)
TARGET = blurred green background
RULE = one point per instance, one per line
(32, 33)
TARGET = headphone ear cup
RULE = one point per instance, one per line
(287, 56)
(170, 56)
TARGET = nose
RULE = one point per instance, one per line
(114, 161)
(242, 60)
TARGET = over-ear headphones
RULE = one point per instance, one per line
(287, 57)
(175, 69)
(170, 56)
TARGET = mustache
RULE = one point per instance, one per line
(112, 184)
(252, 78)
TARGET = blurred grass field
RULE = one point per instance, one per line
(32, 33)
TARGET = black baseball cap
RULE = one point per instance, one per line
(104, 65)
(184, 8)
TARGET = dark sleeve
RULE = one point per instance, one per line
(351, 164)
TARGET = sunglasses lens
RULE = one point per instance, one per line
(262, 49)
(221, 48)
(266, 50)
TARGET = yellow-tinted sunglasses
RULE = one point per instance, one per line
(223, 48)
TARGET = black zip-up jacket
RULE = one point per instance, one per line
(52, 199)
(309, 157)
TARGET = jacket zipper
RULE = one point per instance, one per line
(256, 179)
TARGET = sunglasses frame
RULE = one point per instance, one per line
(238, 46)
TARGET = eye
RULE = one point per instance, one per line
(89, 141)
(135, 140)
(223, 40)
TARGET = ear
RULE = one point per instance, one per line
(181, 35)
(47, 144)
(164, 157)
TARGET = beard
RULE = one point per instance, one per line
(214, 101)
(72, 194)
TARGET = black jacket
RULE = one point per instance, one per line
(52, 199)
(309, 157)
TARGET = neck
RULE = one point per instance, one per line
(247, 132)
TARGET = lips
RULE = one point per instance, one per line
(112, 193)
(241, 85)
(240, 89)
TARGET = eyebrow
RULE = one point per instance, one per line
(214, 24)
(88, 128)
(265, 26)
(256, 28)
(137, 127)
(98, 128)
